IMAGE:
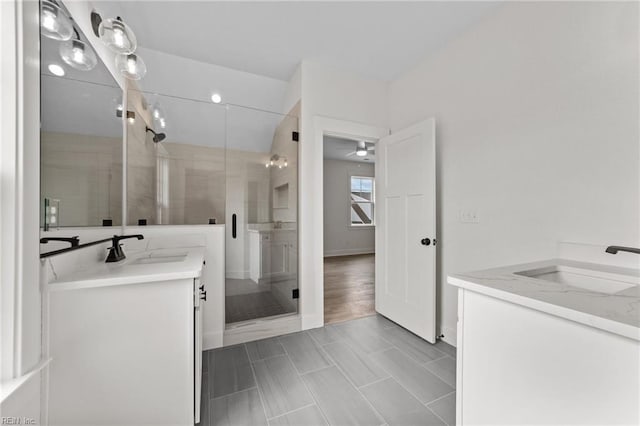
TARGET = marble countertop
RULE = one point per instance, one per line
(617, 313)
(132, 271)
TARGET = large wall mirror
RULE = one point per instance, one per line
(80, 138)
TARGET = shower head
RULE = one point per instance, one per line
(157, 137)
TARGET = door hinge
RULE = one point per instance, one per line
(295, 136)
(295, 293)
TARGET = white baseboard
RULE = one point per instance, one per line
(312, 321)
(237, 275)
(349, 252)
(261, 329)
(211, 341)
(450, 336)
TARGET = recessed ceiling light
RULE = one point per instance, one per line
(56, 69)
(216, 98)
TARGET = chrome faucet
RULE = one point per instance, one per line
(616, 249)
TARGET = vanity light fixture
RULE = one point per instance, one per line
(276, 160)
(56, 69)
(216, 98)
(114, 33)
(54, 22)
(131, 66)
(78, 54)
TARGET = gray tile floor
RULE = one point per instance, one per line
(367, 371)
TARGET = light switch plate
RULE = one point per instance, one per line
(469, 216)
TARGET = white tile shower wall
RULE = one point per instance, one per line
(165, 236)
(85, 173)
(537, 130)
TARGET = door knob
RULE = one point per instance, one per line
(425, 241)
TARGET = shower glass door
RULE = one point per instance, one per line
(261, 214)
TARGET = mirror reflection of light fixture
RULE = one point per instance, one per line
(78, 54)
(114, 33)
(116, 103)
(131, 66)
(54, 23)
(276, 160)
(157, 114)
(56, 70)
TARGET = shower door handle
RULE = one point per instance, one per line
(234, 225)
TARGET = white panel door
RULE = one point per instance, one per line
(406, 228)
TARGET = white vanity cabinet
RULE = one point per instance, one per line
(531, 352)
(125, 354)
(273, 254)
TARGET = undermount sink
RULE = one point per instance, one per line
(588, 279)
(159, 259)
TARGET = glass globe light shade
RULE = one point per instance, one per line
(117, 36)
(131, 66)
(54, 23)
(157, 112)
(78, 54)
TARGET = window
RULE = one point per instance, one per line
(362, 201)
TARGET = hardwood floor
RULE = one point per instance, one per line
(348, 287)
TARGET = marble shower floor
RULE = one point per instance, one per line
(367, 371)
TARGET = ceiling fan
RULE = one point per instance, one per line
(362, 149)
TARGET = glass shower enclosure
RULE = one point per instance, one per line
(192, 162)
(261, 214)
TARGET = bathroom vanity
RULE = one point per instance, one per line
(553, 342)
(272, 254)
(125, 341)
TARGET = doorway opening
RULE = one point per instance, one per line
(349, 227)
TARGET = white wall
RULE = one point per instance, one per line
(20, 336)
(537, 131)
(327, 93)
(340, 238)
(293, 91)
(198, 80)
